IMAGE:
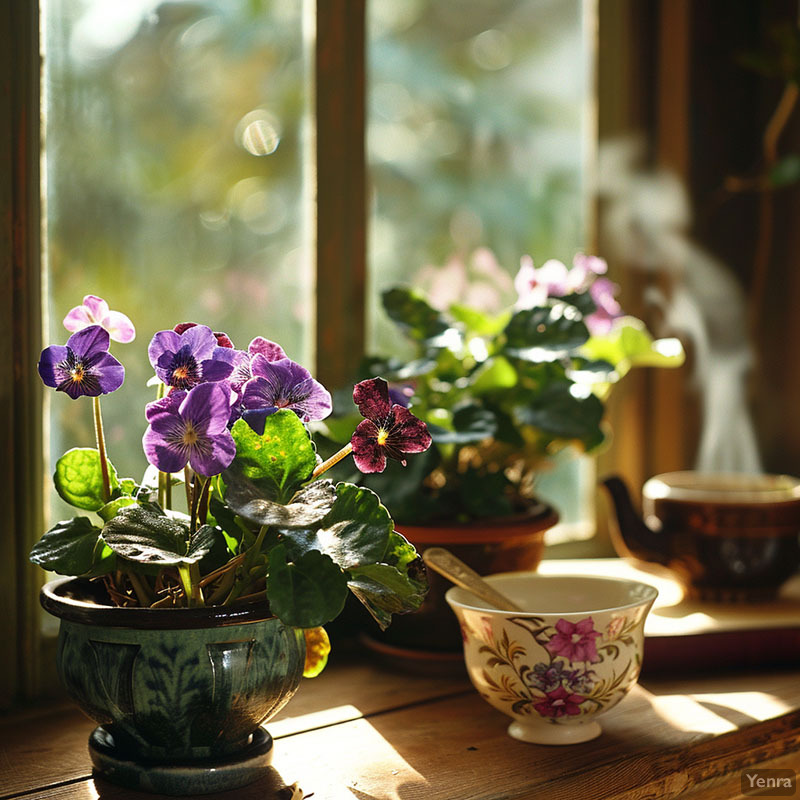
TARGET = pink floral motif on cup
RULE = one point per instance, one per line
(559, 703)
(575, 641)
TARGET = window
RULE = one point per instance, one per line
(182, 159)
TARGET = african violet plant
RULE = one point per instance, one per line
(261, 523)
(502, 393)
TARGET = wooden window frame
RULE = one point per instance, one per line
(341, 276)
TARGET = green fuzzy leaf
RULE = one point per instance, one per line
(471, 423)
(142, 535)
(309, 505)
(306, 592)
(279, 461)
(110, 510)
(495, 373)
(384, 590)
(546, 333)
(414, 315)
(629, 345)
(556, 411)
(79, 479)
(72, 548)
(356, 531)
(478, 323)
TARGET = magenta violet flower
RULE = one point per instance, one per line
(191, 427)
(282, 384)
(387, 429)
(95, 311)
(83, 366)
(559, 703)
(241, 364)
(575, 641)
(184, 360)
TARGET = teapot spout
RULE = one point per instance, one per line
(631, 536)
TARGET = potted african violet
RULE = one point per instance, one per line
(501, 394)
(184, 630)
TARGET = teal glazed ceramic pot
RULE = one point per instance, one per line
(179, 694)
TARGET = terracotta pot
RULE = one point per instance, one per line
(510, 544)
(179, 694)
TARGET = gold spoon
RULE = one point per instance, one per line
(455, 570)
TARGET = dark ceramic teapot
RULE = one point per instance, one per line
(724, 536)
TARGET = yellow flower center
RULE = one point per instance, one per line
(77, 374)
(180, 373)
(189, 435)
(383, 436)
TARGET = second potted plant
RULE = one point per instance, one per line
(501, 394)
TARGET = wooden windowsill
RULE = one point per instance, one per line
(362, 730)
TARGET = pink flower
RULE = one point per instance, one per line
(584, 268)
(95, 311)
(534, 285)
(575, 641)
(559, 703)
(602, 292)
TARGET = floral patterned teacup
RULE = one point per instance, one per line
(555, 667)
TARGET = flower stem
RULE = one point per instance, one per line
(249, 557)
(101, 448)
(332, 461)
(141, 589)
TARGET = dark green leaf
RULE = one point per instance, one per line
(546, 333)
(309, 591)
(279, 461)
(384, 590)
(309, 505)
(142, 535)
(412, 313)
(79, 480)
(471, 423)
(558, 412)
(355, 532)
(71, 548)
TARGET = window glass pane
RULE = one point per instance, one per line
(478, 134)
(175, 143)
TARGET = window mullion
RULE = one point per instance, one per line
(341, 188)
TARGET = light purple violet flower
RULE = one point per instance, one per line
(585, 268)
(83, 366)
(191, 427)
(282, 384)
(95, 311)
(184, 360)
(387, 430)
(607, 310)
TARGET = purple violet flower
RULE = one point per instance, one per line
(191, 427)
(387, 430)
(401, 394)
(95, 311)
(282, 384)
(83, 366)
(241, 364)
(184, 360)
